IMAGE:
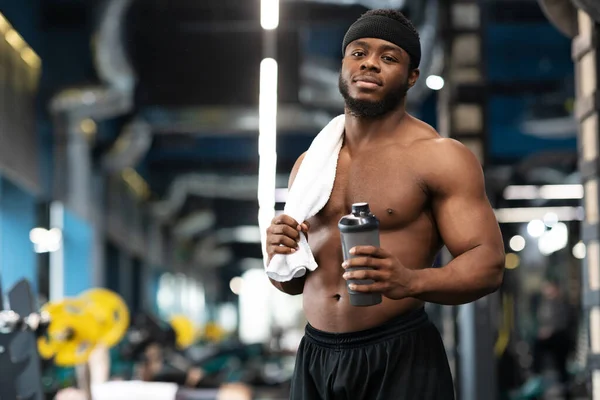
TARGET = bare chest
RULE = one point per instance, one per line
(390, 186)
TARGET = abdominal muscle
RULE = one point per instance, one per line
(325, 297)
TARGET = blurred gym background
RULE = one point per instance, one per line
(143, 141)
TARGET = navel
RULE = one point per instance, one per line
(390, 211)
(337, 296)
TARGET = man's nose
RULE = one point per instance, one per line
(370, 63)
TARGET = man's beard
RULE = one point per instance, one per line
(372, 109)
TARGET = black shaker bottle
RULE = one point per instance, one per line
(360, 228)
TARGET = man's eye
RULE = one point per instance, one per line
(358, 54)
(388, 58)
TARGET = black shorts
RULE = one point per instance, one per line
(403, 359)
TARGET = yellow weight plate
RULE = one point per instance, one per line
(185, 332)
(213, 332)
(72, 334)
(47, 345)
(111, 312)
(45, 348)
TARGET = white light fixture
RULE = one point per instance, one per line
(269, 14)
(267, 142)
(546, 192)
(236, 284)
(44, 240)
(254, 307)
(579, 250)
(550, 219)
(526, 214)
(536, 228)
(434, 82)
(554, 240)
(517, 243)
(57, 258)
(240, 234)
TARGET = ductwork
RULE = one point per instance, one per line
(111, 59)
(222, 121)
(397, 4)
(194, 224)
(94, 102)
(562, 14)
(209, 186)
(130, 148)
(115, 69)
(116, 96)
(209, 253)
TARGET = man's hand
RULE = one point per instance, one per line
(282, 238)
(284, 234)
(391, 278)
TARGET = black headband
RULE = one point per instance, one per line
(385, 28)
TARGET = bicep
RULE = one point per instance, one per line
(463, 214)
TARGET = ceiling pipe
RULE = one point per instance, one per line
(209, 186)
(115, 69)
(397, 4)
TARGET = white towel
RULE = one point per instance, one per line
(307, 196)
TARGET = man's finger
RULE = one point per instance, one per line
(368, 261)
(369, 251)
(364, 274)
(286, 231)
(281, 250)
(377, 287)
(285, 220)
(282, 240)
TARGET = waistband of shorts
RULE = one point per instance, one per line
(399, 325)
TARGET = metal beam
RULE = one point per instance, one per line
(585, 56)
(463, 116)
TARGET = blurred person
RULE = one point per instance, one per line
(555, 319)
(427, 191)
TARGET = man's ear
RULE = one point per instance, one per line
(413, 77)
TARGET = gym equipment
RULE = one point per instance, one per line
(213, 332)
(562, 14)
(111, 312)
(185, 331)
(72, 334)
(19, 360)
(78, 325)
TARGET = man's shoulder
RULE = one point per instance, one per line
(447, 148)
(429, 143)
(444, 161)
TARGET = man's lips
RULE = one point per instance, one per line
(367, 81)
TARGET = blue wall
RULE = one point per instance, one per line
(517, 57)
(507, 138)
(17, 217)
(527, 53)
(77, 242)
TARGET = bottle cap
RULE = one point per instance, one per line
(361, 209)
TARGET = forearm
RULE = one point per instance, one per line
(470, 276)
(293, 287)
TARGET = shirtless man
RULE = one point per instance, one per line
(427, 191)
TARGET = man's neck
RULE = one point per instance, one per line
(360, 131)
